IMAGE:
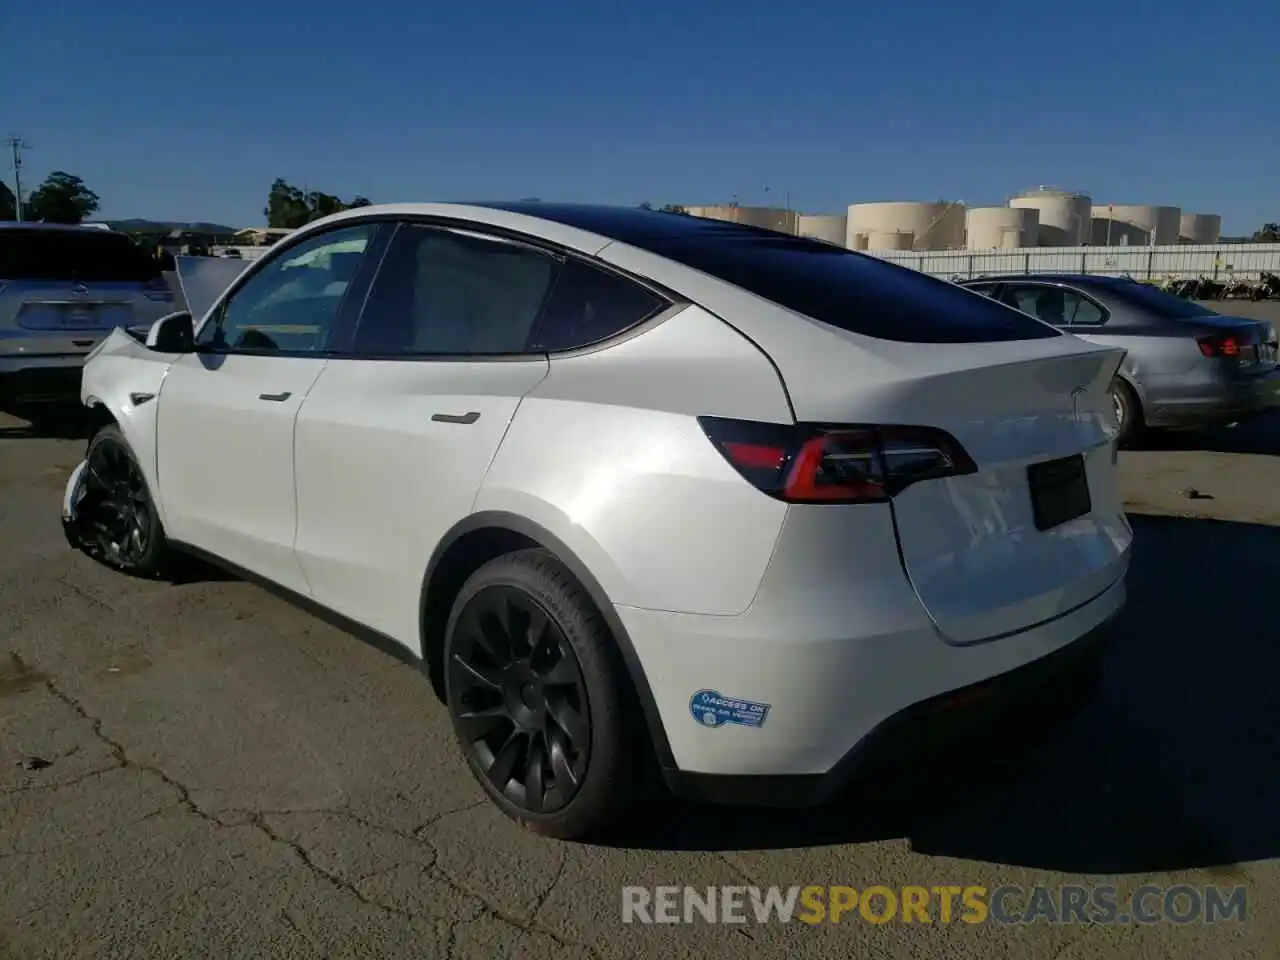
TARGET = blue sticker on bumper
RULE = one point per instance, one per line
(712, 709)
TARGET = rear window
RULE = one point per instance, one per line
(858, 293)
(91, 256)
(1157, 301)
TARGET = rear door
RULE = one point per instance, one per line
(397, 433)
(63, 289)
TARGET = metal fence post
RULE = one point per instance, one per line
(1084, 262)
(1151, 256)
(969, 268)
(1026, 263)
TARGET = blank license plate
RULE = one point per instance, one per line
(1059, 491)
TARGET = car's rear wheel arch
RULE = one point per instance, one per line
(482, 537)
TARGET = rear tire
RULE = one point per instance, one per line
(117, 523)
(540, 699)
(1127, 412)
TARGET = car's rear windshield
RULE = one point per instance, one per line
(855, 292)
(1157, 301)
(89, 256)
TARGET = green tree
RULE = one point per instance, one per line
(1270, 233)
(62, 198)
(673, 208)
(8, 204)
(286, 206)
(290, 207)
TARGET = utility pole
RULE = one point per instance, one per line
(17, 145)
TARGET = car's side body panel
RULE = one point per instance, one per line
(389, 456)
(607, 454)
(125, 378)
(225, 457)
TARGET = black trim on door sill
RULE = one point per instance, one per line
(379, 641)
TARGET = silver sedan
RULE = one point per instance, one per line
(1186, 367)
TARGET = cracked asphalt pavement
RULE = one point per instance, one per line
(200, 769)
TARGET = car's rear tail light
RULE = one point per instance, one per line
(1219, 345)
(158, 289)
(836, 464)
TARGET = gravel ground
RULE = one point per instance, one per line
(202, 770)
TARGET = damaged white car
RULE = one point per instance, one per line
(640, 490)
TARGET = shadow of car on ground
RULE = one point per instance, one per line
(1259, 435)
(61, 419)
(1170, 766)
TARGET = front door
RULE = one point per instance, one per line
(227, 411)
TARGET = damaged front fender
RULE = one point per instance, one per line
(73, 513)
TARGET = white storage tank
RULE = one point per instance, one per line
(928, 226)
(819, 226)
(1137, 224)
(1200, 228)
(1001, 228)
(1064, 215)
(1109, 232)
(888, 240)
(769, 218)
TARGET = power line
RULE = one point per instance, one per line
(17, 145)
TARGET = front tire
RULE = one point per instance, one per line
(117, 522)
(539, 697)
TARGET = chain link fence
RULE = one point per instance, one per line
(1240, 261)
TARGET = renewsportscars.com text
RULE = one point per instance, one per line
(878, 904)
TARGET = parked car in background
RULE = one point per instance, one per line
(639, 490)
(1187, 367)
(62, 289)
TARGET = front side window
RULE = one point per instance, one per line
(446, 292)
(292, 302)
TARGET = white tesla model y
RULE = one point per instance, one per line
(637, 489)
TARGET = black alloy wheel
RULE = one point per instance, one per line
(116, 522)
(519, 700)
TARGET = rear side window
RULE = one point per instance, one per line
(88, 256)
(1157, 301)
(858, 293)
(588, 305)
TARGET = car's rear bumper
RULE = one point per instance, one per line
(798, 699)
(1213, 403)
(1034, 696)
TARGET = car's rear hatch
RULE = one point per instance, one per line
(858, 341)
(1039, 528)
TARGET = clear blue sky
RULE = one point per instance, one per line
(188, 110)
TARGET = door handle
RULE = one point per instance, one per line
(276, 397)
(471, 417)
